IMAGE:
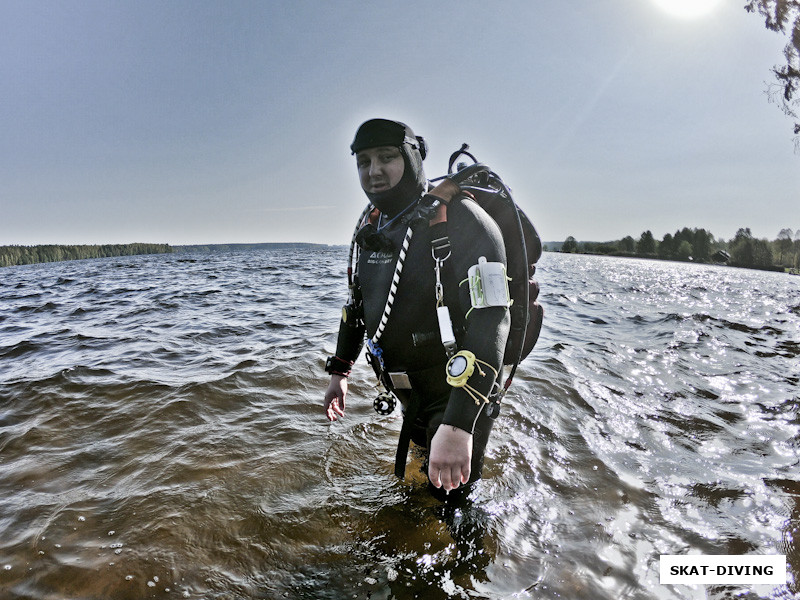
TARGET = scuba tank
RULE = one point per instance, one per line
(523, 250)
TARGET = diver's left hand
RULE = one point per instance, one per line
(450, 457)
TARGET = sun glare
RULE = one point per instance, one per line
(687, 9)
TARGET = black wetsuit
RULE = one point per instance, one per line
(411, 342)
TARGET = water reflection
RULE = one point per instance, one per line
(161, 436)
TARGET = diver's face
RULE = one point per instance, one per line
(380, 169)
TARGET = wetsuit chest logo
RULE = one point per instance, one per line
(380, 258)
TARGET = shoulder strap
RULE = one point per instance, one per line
(354, 252)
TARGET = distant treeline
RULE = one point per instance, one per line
(244, 247)
(27, 255)
(699, 245)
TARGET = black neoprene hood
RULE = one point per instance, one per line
(382, 132)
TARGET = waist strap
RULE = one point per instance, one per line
(430, 380)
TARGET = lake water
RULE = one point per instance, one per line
(162, 436)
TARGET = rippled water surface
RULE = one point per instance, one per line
(161, 436)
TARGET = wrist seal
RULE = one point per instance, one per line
(336, 366)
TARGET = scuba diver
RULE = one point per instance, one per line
(430, 292)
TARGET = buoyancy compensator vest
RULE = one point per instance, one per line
(522, 242)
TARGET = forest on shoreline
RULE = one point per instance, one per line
(27, 255)
(689, 245)
(700, 245)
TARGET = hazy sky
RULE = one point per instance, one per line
(229, 121)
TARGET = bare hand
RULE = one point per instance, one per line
(449, 464)
(334, 397)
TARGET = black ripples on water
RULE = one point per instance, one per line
(161, 435)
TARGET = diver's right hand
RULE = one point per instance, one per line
(334, 397)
